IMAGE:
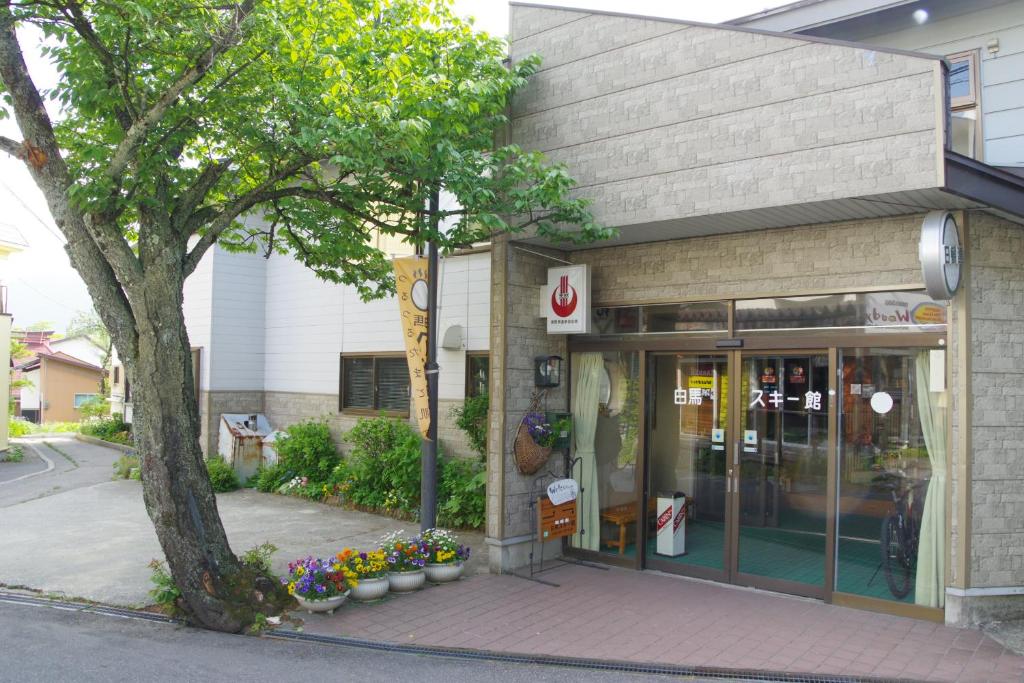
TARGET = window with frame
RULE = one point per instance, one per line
(964, 104)
(82, 399)
(374, 384)
(478, 374)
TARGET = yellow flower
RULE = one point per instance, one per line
(291, 588)
(299, 571)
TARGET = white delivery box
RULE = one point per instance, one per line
(671, 536)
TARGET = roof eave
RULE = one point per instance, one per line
(988, 185)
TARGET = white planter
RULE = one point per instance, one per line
(370, 589)
(326, 605)
(406, 582)
(443, 573)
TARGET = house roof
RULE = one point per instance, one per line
(59, 356)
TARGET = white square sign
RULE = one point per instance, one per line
(566, 300)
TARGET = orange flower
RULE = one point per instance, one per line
(398, 546)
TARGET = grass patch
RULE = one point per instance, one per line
(13, 454)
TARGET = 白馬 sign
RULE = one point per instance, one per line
(411, 287)
(565, 300)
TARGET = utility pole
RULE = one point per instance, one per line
(428, 471)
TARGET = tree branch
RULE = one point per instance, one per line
(136, 134)
(12, 147)
(125, 115)
(194, 196)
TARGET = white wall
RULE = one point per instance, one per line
(1002, 74)
(197, 307)
(80, 348)
(234, 361)
(30, 393)
(303, 329)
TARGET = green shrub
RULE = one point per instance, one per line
(165, 592)
(471, 418)
(461, 494)
(124, 466)
(306, 450)
(258, 558)
(222, 476)
(95, 407)
(382, 471)
(270, 479)
(383, 467)
(113, 429)
(13, 454)
(18, 428)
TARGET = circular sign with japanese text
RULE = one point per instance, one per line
(941, 254)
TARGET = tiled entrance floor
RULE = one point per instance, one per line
(647, 617)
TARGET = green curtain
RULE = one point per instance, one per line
(931, 553)
(586, 394)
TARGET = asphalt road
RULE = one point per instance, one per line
(48, 644)
(75, 465)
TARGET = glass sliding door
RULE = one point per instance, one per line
(891, 518)
(606, 422)
(783, 455)
(687, 463)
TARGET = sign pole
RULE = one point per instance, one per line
(428, 473)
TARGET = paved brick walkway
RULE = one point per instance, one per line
(647, 617)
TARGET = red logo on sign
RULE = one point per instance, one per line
(664, 517)
(561, 303)
(679, 518)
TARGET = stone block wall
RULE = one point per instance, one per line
(213, 404)
(518, 335)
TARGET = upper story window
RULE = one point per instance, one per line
(965, 104)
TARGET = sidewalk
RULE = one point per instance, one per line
(648, 617)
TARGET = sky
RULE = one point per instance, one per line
(42, 285)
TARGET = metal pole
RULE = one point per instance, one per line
(428, 474)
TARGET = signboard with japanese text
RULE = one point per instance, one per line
(565, 300)
(411, 288)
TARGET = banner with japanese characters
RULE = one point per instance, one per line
(411, 287)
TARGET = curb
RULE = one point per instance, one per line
(49, 465)
(100, 442)
(709, 672)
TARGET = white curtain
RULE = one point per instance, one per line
(586, 395)
(929, 589)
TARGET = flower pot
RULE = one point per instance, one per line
(326, 605)
(406, 582)
(443, 573)
(370, 589)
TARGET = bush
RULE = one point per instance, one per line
(258, 558)
(461, 494)
(383, 467)
(471, 418)
(222, 476)
(165, 591)
(124, 466)
(18, 428)
(306, 450)
(95, 407)
(270, 479)
(382, 471)
(113, 429)
(13, 454)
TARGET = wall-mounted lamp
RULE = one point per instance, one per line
(920, 15)
(993, 46)
(547, 371)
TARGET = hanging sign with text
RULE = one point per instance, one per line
(411, 286)
(565, 300)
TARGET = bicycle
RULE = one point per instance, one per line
(901, 532)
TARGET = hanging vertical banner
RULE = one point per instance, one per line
(411, 286)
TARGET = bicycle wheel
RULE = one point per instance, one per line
(894, 559)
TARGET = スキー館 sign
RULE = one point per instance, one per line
(565, 300)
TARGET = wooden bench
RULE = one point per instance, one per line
(624, 515)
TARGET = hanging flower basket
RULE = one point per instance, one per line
(529, 455)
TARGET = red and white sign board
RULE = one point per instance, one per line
(671, 538)
(565, 300)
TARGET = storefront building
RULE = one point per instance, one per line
(764, 348)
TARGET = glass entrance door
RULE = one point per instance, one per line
(687, 480)
(782, 457)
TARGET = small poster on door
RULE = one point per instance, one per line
(717, 436)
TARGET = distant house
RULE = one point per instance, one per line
(60, 385)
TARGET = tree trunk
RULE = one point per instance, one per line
(217, 590)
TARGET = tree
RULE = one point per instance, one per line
(19, 352)
(286, 125)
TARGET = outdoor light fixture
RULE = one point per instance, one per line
(920, 15)
(547, 371)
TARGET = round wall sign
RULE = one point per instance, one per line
(941, 254)
(881, 402)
